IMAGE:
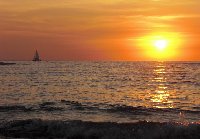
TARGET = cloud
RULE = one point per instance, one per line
(86, 24)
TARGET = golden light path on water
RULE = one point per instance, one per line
(160, 97)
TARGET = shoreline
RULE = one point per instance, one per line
(37, 128)
(6, 63)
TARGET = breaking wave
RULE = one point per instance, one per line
(15, 108)
(74, 105)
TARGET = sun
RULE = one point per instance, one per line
(160, 44)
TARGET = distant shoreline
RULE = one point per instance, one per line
(6, 63)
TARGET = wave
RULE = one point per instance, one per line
(117, 108)
(49, 106)
(138, 110)
(37, 128)
(15, 108)
(110, 108)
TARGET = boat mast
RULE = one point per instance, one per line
(36, 56)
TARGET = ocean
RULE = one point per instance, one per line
(99, 92)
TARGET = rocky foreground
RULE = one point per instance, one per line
(36, 128)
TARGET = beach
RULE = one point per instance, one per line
(104, 130)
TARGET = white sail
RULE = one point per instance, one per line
(36, 56)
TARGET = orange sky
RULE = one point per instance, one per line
(98, 30)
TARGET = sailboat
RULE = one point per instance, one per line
(36, 56)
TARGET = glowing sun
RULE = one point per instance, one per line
(160, 44)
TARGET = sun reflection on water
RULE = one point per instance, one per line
(160, 96)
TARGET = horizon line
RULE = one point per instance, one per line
(108, 60)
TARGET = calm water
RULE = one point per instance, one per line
(101, 91)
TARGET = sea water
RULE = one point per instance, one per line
(100, 91)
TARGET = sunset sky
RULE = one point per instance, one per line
(100, 30)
